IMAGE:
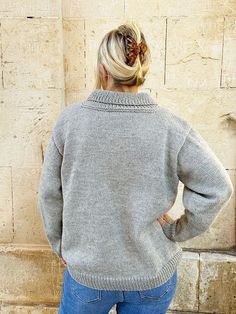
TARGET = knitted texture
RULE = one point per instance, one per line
(111, 169)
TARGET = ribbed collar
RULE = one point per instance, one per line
(115, 100)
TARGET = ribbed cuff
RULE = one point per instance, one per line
(169, 228)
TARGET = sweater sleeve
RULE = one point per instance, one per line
(50, 199)
(207, 188)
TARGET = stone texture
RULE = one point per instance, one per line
(77, 96)
(28, 226)
(193, 57)
(29, 116)
(88, 8)
(30, 276)
(209, 112)
(18, 309)
(217, 285)
(36, 8)
(6, 209)
(137, 9)
(197, 7)
(1, 65)
(179, 8)
(229, 59)
(74, 54)
(37, 309)
(154, 30)
(186, 296)
(31, 67)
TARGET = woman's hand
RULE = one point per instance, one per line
(63, 261)
(165, 219)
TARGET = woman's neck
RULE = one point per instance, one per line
(121, 88)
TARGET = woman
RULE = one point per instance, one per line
(109, 177)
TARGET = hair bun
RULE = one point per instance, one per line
(125, 55)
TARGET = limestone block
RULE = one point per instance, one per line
(87, 8)
(149, 91)
(154, 30)
(77, 96)
(186, 296)
(37, 309)
(137, 9)
(74, 54)
(229, 53)
(21, 309)
(95, 30)
(28, 226)
(209, 112)
(197, 7)
(30, 276)
(38, 61)
(6, 224)
(180, 312)
(1, 69)
(36, 8)
(179, 8)
(29, 116)
(217, 286)
(193, 53)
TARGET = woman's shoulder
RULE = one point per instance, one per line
(173, 121)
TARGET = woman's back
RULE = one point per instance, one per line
(120, 155)
(110, 175)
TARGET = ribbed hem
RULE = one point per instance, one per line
(128, 284)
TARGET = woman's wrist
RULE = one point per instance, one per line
(165, 219)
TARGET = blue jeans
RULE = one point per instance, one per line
(79, 299)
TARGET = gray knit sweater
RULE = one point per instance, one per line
(111, 168)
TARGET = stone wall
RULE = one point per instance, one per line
(48, 57)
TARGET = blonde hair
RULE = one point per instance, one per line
(112, 54)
